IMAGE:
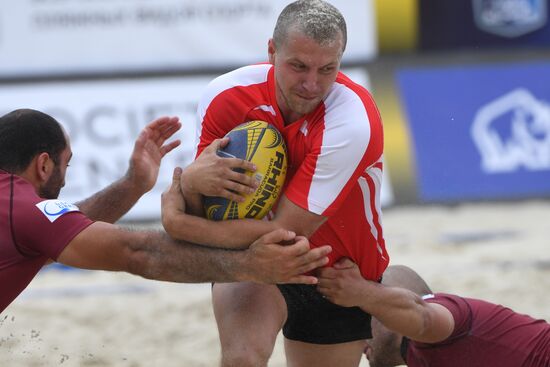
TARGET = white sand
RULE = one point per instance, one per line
(499, 252)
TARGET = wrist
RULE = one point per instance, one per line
(244, 269)
(369, 293)
(186, 184)
(136, 185)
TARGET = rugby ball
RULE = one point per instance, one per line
(262, 144)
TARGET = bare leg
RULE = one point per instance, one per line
(299, 354)
(249, 317)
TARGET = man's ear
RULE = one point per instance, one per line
(271, 50)
(44, 165)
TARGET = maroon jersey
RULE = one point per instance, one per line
(335, 156)
(32, 230)
(485, 334)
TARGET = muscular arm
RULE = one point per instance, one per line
(154, 255)
(400, 310)
(111, 203)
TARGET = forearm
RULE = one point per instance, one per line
(231, 234)
(111, 203)
(157, 256)
(154, 255)
(398, 309)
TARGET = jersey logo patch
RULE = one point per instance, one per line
(54, 209)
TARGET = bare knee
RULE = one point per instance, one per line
(245, 357)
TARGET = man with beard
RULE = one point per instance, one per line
(415, 327)
(36, 227)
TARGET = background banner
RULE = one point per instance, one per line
(476, 23)
(479, 132)
(82, 37)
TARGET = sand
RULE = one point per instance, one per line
(499, 252)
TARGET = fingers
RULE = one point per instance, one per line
(277, 236)
(243, 183)
(303, 279)
(216, 145)
(167, 134)
(307, 259)
(238, 163)
(169, 147)
(310, 260)
(222, 143)
(231, 195)
(176, 177)
(230, 190)
(141, 139)
(228, 160)
(314, 260)
(162, 129)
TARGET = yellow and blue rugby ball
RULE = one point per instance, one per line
(262, 144)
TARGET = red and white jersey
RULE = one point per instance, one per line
(334, 156)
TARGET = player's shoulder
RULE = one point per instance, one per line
(351, 103)
(228, 84)
(244, 76)
(349, 95)
(452, 302)
(345, 83)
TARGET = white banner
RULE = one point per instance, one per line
(44, 37)
(103, 119)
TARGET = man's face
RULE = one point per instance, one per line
(383, 350)
(304, 72)
(51, 188)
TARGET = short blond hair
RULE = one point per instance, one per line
(316, 19)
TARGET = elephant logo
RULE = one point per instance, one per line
(513, 132)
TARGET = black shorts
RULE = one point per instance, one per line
(314, 319)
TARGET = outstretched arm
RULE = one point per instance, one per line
(400, 310)
(111, 203)
(154, 255)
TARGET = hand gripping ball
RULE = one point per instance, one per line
(262, 144)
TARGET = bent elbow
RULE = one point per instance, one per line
(432, 330)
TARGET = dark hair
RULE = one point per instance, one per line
(316, 19)
(24, 133)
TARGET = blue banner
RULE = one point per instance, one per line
(479, 132)
(446, 24)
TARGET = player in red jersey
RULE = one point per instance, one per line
(439, 329)
(333, 133)
(36, 227)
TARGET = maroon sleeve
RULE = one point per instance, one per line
(461, 311)
(37, 235)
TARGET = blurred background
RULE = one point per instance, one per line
(463, 88)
